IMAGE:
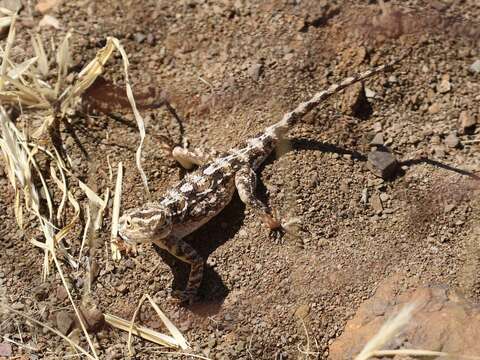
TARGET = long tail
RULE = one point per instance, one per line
(292, 117)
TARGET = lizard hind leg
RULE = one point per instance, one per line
(183, 251)
(246, 183)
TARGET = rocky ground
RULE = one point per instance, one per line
(382, 177)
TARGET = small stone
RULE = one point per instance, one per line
(439, 151)
(45, 5)
(302, 311)
(392, 79)
(92, 316)
(5, 349)
(466, 123)
(122, 288)
(434, 108)
(475, 67)
(150, 39)
(364, 198)
(383, 164)
(240, 346)
(384, 197)
(452, 141)
(369, 93)
(64, 322)
(377, 127)
(448, 208)
(139, 37)
(354, 101)
(377, 140)
(444, 86)
(376, 204)
(255, 71)
(61, 293)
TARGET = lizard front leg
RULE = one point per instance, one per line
(188, 158)
(183, 251)
(246, 182)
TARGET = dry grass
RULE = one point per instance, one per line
(25, 86)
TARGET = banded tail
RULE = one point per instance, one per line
(291, 118)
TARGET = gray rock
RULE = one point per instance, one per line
(383, 164)
(475, 67)
(139, 37)
(377, 140)
(255, 71)
(452, 141)
(64, 322)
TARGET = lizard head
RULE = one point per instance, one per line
(145, 224)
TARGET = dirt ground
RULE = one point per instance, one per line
(231, 68)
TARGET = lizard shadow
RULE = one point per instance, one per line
(205, 241)
(307, 144)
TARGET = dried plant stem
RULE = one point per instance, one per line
(55, 331)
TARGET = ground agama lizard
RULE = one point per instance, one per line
(202, 194)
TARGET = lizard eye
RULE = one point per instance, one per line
(129, 222)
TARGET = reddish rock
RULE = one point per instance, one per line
(442, 321)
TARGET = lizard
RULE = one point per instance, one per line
(203, 193)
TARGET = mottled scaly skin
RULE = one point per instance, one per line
(202, 194)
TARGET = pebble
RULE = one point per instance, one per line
(255, 71)
(377, 140)
(383, 164)
(150, 39)
(64, 322)
(139, 37)
(93, 317)
(452, 141)
(475, 67)
(122, 288)
(370, 93)
(434, 108)
(44, 6)
(466, 123)
(5, 349)
(364, 198)
(354, 101)
(376, 204)
(384, 197)
(444, 86)
(377, 127)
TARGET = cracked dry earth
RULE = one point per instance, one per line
(230, 68)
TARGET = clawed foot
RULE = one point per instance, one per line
(184, 297)
(128, 249)
(275, 226)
